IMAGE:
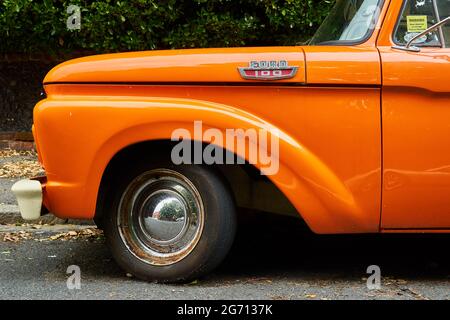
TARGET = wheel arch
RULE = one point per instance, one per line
(245, 181)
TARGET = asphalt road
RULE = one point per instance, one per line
(271, 259)
(6, 196)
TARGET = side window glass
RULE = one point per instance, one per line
(443, 7)
(417, 16)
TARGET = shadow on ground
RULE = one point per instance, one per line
(282, 246)
(270, 246)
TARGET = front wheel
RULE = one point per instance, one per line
(170, 223)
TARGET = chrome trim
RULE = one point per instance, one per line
(410, 49)
(148, 235)
(293, 73)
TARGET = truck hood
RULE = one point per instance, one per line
(174, 66)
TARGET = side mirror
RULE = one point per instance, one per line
(410, 47)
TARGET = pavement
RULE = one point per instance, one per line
(272, 258)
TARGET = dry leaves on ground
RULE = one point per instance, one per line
(258, 279)
(83, 234)
(24, 168)
(15, 236)
(88, 233)
(9, 153)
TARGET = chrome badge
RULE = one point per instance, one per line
(268, 70)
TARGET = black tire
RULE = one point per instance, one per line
(212, 243)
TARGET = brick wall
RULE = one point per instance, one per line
(20, 90)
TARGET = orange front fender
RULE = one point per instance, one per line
(78, 136)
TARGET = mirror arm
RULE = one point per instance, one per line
(409, 46)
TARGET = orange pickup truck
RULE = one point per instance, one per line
(350, 132)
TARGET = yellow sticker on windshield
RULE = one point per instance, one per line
(417, 23)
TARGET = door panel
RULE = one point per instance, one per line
(416, 138)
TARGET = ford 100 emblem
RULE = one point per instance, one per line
(268, 70)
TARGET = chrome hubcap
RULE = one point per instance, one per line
(161, 217)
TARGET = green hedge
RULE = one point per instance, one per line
(36, 26)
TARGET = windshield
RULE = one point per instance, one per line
(349, 21)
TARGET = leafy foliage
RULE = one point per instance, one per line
(30, 26)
